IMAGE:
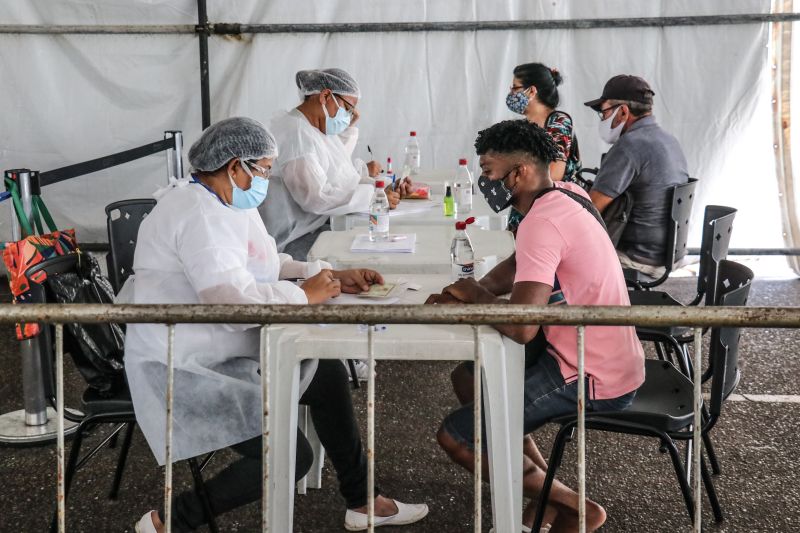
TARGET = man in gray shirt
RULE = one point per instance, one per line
(644, 160)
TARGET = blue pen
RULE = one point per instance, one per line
(394, 188)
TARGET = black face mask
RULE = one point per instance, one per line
(496, 193)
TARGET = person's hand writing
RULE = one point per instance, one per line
(321, 287)
(394, 197)
(441, 299)
(374, 168)
(469, 291)
(357, 280)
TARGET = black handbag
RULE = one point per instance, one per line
(616, 216)
(96, 349)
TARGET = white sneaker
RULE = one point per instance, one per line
(406, 514)
(145, 524)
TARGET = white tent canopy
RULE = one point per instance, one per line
(69, 98)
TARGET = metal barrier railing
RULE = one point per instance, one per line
(475, 315)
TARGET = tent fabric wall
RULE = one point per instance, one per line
(65, 99)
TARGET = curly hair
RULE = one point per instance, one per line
(518, 137)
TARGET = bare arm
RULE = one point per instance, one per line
(600, 200)
(557, 169)
(525, 292)
(500, 279)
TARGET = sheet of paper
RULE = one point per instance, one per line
(396, 243)
(353, 299)
(411, 208)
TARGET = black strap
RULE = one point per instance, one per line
(585, 202)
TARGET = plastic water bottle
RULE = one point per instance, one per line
(462, 256)
(412, 160)
(463, 188)
(379, 214)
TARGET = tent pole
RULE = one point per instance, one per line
(203, 30)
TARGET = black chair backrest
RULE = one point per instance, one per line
(717, 230)
(733, 288)
(38, 295)
(123, 221)
(678, 232)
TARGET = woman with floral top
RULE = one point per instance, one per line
(534, 94)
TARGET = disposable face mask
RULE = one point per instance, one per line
(497, 195)
(338, 123)
(252, 197)
(517, 102)
(607, 133)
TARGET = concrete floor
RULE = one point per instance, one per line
(756, 443)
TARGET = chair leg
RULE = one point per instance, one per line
(123, 457)
(69, 471)
(200, 489)
(668, 443)
(552, 466)
(713, 498)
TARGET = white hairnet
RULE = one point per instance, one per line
(237, 137)
(335, 79)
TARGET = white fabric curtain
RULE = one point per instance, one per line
(65, 99)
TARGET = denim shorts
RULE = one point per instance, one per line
(546, 396)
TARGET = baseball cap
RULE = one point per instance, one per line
(624, 87)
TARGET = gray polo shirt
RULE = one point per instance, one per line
(647, 161)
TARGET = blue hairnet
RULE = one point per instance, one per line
(237, 137)
(335, 79)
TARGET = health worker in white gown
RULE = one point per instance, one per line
(315, 177)
(205, 243)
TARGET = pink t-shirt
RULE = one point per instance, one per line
(559, 239)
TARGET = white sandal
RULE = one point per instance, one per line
(145, 524)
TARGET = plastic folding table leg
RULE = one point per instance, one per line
(283, 397)
(504, 433)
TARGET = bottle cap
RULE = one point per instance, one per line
(379, 184)
(463, 224)
(413, 133)
(448, 191)
(388, 159)
(462, 161)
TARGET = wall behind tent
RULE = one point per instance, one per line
(70, 98)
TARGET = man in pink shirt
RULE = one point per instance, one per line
(563, 256)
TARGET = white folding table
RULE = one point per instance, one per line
(432, 254)
(503, 371)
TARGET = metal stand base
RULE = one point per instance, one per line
(14, 430)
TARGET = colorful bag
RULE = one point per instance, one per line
(21, 255)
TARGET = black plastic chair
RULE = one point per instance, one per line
(681, 200)
(663, 407)
(123, 219)
(717, 230)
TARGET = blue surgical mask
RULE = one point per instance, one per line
(252, 197)
(338, 123)
(517, 102)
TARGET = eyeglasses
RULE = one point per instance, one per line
(265, 171)
(602, 112)
(347, 105)
(517, 88)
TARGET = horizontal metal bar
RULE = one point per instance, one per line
(102, 163)
(757, 317)
(223, 28)
(504, 25)
(754, 251)
(97, 29)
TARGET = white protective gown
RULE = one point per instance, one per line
(313, 178)
(193, 249)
